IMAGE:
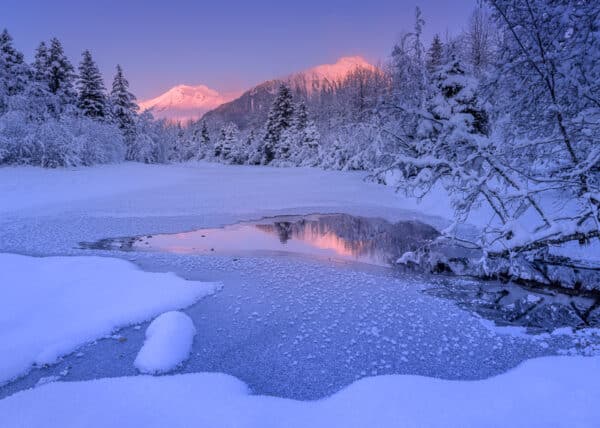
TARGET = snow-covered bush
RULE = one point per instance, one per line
(149, 144)
(97, 142)
(57, 147)
(15, 147)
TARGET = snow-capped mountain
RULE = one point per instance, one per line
(183, 103)
(320, 76)
(252, 106)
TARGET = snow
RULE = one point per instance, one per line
(50, 306)
(331, 73)
(288, 327)
(168, 343)
(545, 392)
(184, 102)
(133, 189)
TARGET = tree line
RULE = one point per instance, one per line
(54, 115)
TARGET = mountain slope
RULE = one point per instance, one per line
(252, 106)
(183, 103)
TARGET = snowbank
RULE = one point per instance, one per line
(50, 306)
(547, 392)
(168, 343)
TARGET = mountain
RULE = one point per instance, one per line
(183, 103)
(252, 106)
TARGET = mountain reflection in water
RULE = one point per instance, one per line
(337, 236)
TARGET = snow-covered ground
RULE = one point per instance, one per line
(548, 392)
(288, 327)
(49, 306)
(138, 190)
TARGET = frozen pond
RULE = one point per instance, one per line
(338, 237)
(342, 238)
(308, 307)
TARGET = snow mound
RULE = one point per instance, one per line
(168, 343)
(546, 392)
(51, 305)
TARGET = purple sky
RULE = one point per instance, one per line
(224, 44)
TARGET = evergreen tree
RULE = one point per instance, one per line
(280, 118)
(41, 64)
(253, 150)
(14, 72)
(226, 143)
(123, 106)
(13, 69)
(201, 141)
(92, 98)
(309, 145)
(435, 54)
(204, 135)
(61, 75)
(301, 116)
(38, 98)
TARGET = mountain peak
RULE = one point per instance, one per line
(185, 102)
(340, 69)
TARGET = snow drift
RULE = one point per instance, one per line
(547, 392)
(49, 306)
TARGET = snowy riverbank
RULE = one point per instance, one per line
(548, 392)
(291, 327)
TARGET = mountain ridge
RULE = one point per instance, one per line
(251, 107)
(184, 103)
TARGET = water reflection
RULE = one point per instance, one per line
(378, 242)
(337, 236)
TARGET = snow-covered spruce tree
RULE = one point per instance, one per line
(226, 144)
(435, 54)
(309, 145)
(61, 77)
(253, 148)
(124, 110)
(39, 102)
(92, 98)
(179, 146)
(15, 74)
(202, 143)
(279, 119)
(303, 138)
(188, 140)
(41, 66)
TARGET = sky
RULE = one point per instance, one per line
(226, 45)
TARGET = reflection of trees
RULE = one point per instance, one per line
(355, 236)
(284, 230)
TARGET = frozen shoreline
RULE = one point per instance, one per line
(252, 315)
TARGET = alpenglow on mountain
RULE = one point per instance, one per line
(251, 108)
(183, 103)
